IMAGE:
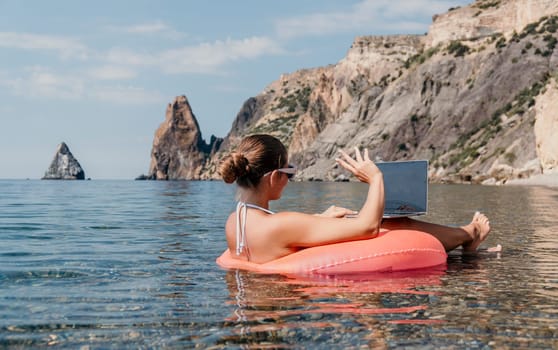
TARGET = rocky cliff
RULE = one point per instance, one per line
(64, 166)
(485, 18)
(476, 96)
(179, 151)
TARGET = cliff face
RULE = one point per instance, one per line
(546, 128)
(298, 107)
(64, 166)
(485, 18)
(179, 152)
(468, 106)
(476, 96)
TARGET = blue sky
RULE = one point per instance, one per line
(99, 74)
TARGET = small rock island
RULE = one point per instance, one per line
(64, 166)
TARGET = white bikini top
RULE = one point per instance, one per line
(241, 212)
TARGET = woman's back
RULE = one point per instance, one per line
(261, 232)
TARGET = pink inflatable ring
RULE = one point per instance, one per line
(396, 250)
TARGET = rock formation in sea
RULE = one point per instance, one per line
(179, 151)
(476, 96)
(64, 166)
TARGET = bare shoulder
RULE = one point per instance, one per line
(230, 227)
(287, 218)
(229, 224)
(284, 224)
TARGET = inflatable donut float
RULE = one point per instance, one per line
(396, 250)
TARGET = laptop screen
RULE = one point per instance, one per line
(405, 187)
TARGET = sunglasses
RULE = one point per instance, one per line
(290, 170)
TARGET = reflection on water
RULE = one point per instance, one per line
(342, 294)
(132, 264)
(289, 310)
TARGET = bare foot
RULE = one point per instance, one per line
(478, 229)
(496, 249)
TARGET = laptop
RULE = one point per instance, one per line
(405, 188)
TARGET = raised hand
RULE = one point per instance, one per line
(361, 166)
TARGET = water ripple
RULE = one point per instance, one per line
(34, 275)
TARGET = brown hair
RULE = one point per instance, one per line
(255, 156)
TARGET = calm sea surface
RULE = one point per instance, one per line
(124, 264)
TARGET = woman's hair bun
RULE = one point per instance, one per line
(255, 156)
(235, 166)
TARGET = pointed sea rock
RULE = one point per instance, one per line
(64, 166)
(179, 152)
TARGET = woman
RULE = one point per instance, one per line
(260, 168)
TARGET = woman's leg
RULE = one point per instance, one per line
(469, 236)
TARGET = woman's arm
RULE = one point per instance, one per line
(366, 171)
(337, 212)
(302, 230)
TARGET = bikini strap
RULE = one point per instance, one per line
(253, 206)
(241, 213)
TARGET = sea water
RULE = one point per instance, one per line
(131, 264)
